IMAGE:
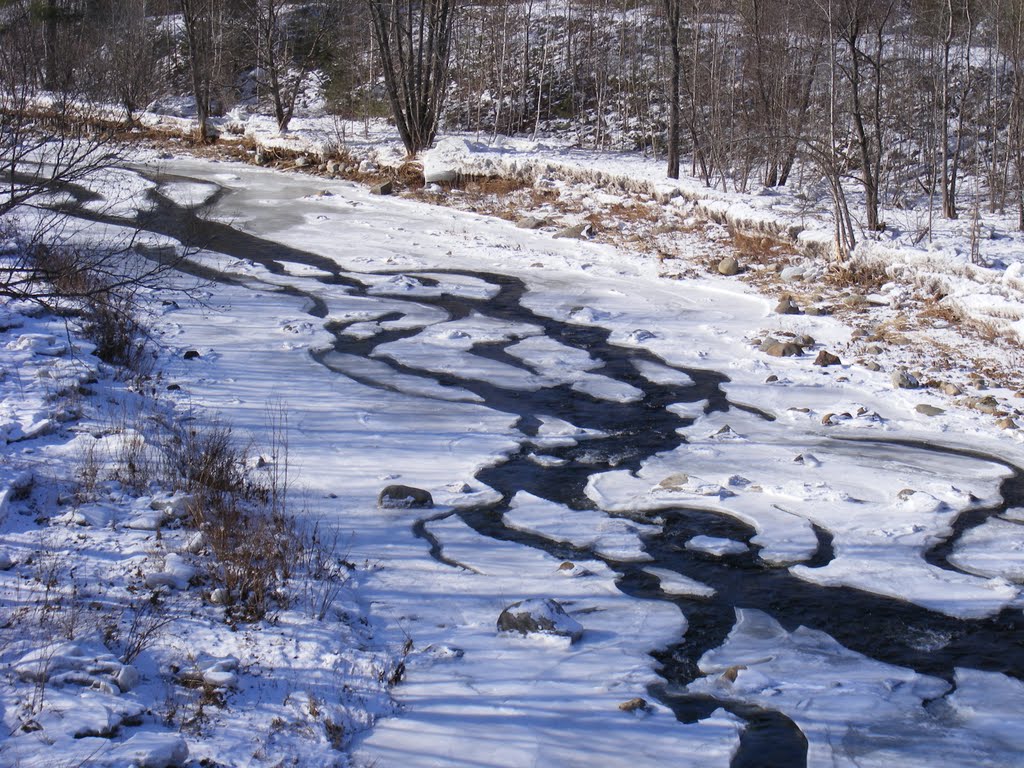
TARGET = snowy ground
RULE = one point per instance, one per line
(420, 411)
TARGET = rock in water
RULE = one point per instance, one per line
(404, 497)
(541, 616)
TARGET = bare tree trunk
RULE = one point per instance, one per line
(415, 44)
(673, 12)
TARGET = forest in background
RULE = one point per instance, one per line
(910, 102)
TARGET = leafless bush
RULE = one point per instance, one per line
(146, 622)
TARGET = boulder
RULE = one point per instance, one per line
(539, 616)
(903, 380)
(728, 266)
(384, 188)
(787, 306)
(928, 410)
(777, 348)
(404, 497)
(827, 358)
(575, 232)
(531, 222)
(191, 354)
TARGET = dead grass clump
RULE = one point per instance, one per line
(855, 275)
(759, 249)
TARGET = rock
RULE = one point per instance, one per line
(903, 380)
(6, 563)
(404, 497)
(191, 354)
(1006, 423)
(771, 379)
(539, 616)
(827, 358)
(787, 306)
(782, 348)
(384, 188)
(791, 274)
(301, 161)
(531, 222)
(987, 404)
(333, 167)
(855, 300)
(731, 673)
(871, 365)
(153, 750)
(573, 570)
(873, 349)
(260, 158)
(728, 266)
(636, 706)
(929, 410)
(575, 232)
(804, 340)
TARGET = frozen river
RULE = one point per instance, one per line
(782, 590)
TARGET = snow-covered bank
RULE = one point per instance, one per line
(116, 647)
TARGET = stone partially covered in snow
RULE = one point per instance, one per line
(79, 662)
(541, 616)
(152, 750)
(210, 671)
(176, 574)
(404, 497)
(86, 713)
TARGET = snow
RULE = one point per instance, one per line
(994, 549)
(716, 546)
(611, 537)
(852, 709)
(466, 694)
(673, 583)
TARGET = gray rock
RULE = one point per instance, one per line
(787, 306)
(987, 404)
(531, 222)
(404, 497)
(333, 166)
(804, 340)
(384, 188)
(951, 389)
(541, 616)
(871, 365)
(928, 410)
(903, 380)
(575, 232)
(728, 266)
(791, 274)
(301, 161)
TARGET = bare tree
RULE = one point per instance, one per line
(204, 22)
(414, 39)
(673, 19)
(288, 44)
